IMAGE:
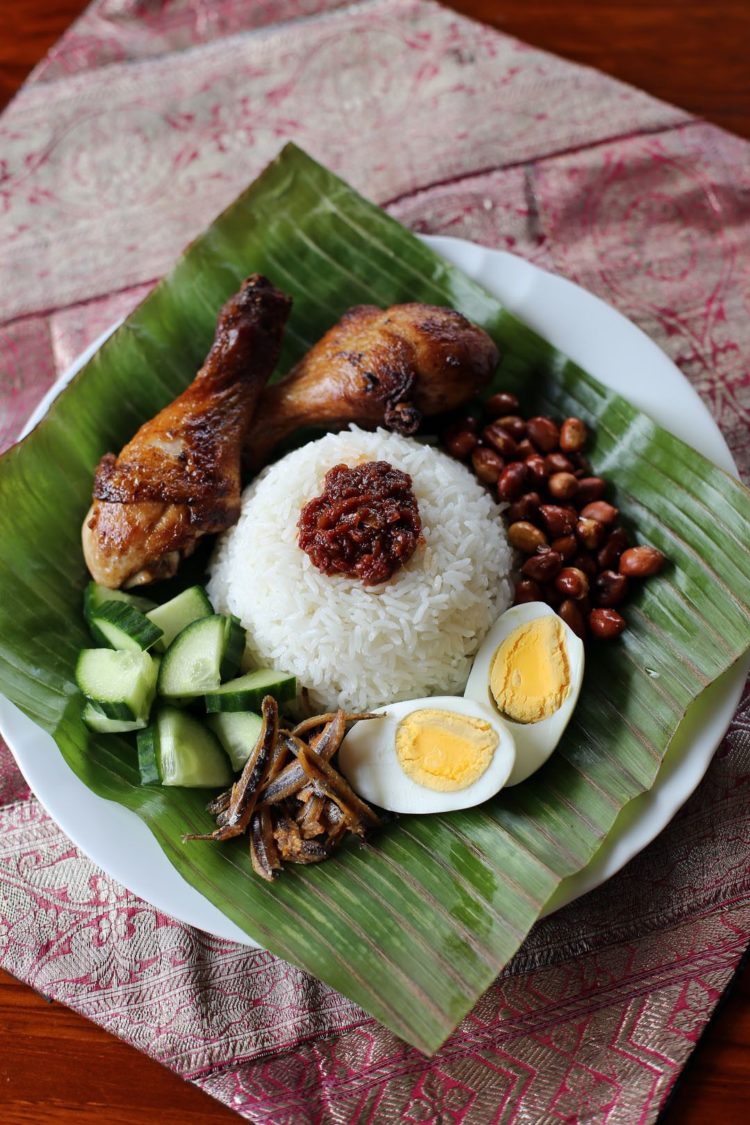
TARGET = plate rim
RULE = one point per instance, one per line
(654, 808)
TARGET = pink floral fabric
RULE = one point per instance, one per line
(143, 122)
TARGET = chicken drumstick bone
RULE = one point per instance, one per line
(179, 477)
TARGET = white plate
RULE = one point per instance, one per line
(621, 356)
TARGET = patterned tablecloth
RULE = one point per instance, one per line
(143, 122)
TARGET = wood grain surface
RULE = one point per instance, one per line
(57, 1067)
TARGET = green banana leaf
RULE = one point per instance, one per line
(417, 924)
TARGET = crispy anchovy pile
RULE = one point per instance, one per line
(289, 799)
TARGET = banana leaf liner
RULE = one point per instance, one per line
(415, 926)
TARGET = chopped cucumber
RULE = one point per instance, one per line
(148, 765)
(179, 750)
(124, 626)
(246, 692)
(200, 656)
(96, 596)
(238, 732)
(98, 721)
(234, 647)
(121, 684)
(175, 615)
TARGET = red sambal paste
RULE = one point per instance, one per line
(365, 524)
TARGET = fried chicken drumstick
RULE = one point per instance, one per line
(179, 477)
(376, 367)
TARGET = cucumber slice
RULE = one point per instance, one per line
(175, 615)
(121, 684)
(124, 626)
(234, 647)
(95, 596)
(179, 750)
(237, 731)
(148, 765)
(197, 658)
(246, 692)
(98, 721)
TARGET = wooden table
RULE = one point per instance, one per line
(55, 1066)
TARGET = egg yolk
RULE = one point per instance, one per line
(444, 751)
(530, 672)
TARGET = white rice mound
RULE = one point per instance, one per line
(350, 645)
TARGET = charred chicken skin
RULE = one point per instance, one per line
(179, 477)
(376, 367)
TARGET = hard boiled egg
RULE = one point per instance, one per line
(529, 670)
(428, 755)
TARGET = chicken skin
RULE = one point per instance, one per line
(179, 477)
(376, 367)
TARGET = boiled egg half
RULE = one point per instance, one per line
(529, 671)
(428, 755)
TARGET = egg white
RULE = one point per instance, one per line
(534, 741)
(369, 762)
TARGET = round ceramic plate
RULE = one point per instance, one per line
(621, 356)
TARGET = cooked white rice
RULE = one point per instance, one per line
(355, 646)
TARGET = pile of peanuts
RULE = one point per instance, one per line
(578, 560)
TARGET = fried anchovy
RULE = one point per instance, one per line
(333, 814)
(311, 851)
(292, 777)
(359, 815)
(293, 848)
(245, 790)
(320, 720)
(275, 762)
(264, 854)
(236, 817)
(309, 817)
(219, 804)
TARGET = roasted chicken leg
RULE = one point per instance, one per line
(376, 367)
(179, 477)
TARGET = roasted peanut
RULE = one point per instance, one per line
(524, 449)
(525, 537)
(591, 534)
(571, 613)
(559, 463)
(542, 567)
(586, 564)
(609, 555)
(487, 463)
(605, 624)
(602, 511)
(581, 463)
(572, 582)
(641, 562)
(501, 403)
(609, 588)
(459, 442)
(537, 468)
(551, 595)
(499, 439)
(566, 545)
(515, 425)
(572, 435)
(562, 486)
(514, 480)
(544, 433)
(527, 590)
(527, 508)
(557, 520)
(589, 489)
